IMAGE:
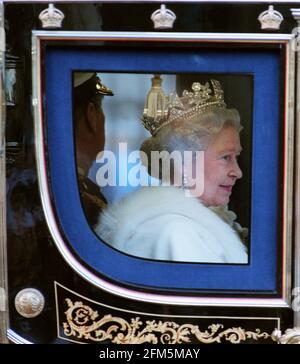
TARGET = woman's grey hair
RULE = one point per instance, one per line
(188, 134)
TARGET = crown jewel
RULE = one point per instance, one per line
(161, 109)
(163, 18)
(270, 19)
(51, 17)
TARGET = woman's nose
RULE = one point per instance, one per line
(236, 171)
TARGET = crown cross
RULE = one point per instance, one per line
(219, 93)
(199, 95)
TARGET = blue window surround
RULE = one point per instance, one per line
(264, 65)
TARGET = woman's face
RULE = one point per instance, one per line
(221, 169)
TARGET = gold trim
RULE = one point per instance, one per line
(84, 323)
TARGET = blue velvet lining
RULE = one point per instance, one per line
(260, 274)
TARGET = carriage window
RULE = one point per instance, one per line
(163, 163)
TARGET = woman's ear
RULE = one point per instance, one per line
(91, 117)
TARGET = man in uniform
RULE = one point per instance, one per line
(89, 137)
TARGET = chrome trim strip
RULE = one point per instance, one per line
(16, 338)
(37, 36)
(297, 186)
(57, 284)
(288, 172)
(241, 2)
(136, 36)
(3, 253)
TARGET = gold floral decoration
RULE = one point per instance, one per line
(84, 323)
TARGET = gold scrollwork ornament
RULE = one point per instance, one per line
(83, 323)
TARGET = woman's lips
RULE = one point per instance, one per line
(227, 188)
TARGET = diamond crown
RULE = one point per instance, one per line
(161, 109)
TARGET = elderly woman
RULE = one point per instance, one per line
(164, 222)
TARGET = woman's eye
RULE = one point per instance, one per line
(226, 157)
